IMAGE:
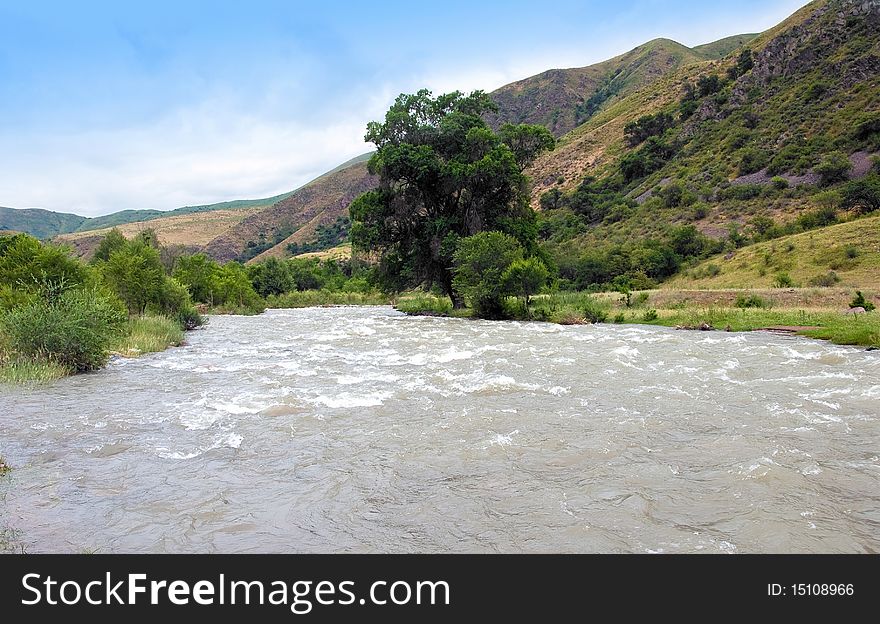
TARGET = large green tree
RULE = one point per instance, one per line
(443, 175)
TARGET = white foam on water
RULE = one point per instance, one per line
(626, 351)
(349, 400)
(811, 469)
(349, 380)
(230, 440)
(501, 439)
(453, 354)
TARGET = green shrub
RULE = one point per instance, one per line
(480, 262)
(619, 318)
(525, 278)
(707, 85)
(827, 280)
(820, 217)
(700, 211)
(650, 315)
(742, 192)
(859, 301)
(751, 301)
(783, 280)
(75, 330)
(595, 310)
(779, 183)
(752, 159)
(816, 90)
(834, 168)
(863, 195)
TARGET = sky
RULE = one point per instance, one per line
(108, 106)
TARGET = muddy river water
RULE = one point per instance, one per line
(363, 430)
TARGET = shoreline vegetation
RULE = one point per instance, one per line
(731, 310)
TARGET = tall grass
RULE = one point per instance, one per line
(24, 370)
(148, 334)
(425, 304)
(310, 298)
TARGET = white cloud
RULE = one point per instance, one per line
(193, 156)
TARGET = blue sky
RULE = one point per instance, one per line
(107, 106)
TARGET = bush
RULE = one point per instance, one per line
(820, 217)
(700, 211)
(75, 330)
(783, 280)
(797, 157)
(859, 301)
(647, 159)
(650, 315)
(480, 263)
(647, 126)
(752, 159)
(751, 301)
(707, 85)
(863, 195)
(779, 183)
(595, 310)
(524, 278)
(829, 279)
(742, 192)
(834, 168)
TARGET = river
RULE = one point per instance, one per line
(363, 430)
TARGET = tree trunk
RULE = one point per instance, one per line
(457, 299)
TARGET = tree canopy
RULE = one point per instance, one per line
(444, 175)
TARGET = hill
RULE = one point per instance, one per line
(562, 99)
(845, 255)
(38, 222)
(769, 134)
(47, 224)
(297, 218)
(239, 230)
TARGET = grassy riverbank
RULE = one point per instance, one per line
(816, 313)
(148, 334)
(139, 335)
(312, 298)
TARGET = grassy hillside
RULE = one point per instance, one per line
(725, 145)
(45, 224)
(723, 47)
(192, 230)
(138, 216)
(846, 255)
(295, 219)
(39, 223)
(562, 99)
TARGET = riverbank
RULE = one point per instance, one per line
(141, 335)
(814, 313)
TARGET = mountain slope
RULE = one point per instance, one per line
(297, 217)
(46, 224)
(562, 99)
(751, 141)
(38, 222)
(189, 230)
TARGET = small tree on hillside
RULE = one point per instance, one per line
(862, 195)
(834, 168)
(525, 278)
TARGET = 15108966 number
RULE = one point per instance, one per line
(822, 589)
